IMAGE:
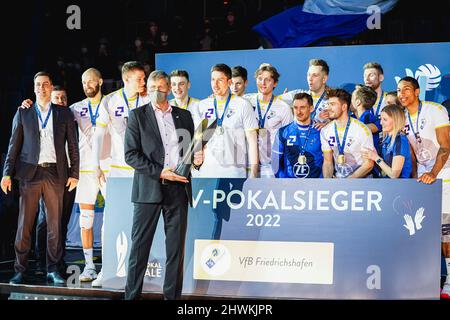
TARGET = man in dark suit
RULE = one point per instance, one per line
(156, 136)
(37, 158)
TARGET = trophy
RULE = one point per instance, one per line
(202, 134)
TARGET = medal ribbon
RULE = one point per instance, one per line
(220, 119)
(344, 138)
(416, 133)
(313, 115)
(91, 114)
(303, 146)
(43, 123)
(262, 120)
(126, 100)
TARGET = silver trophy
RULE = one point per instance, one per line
(202, 134)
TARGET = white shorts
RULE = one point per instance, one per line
(88, 188)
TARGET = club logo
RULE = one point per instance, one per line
(215, 259)
(301, 171)
(430, 72)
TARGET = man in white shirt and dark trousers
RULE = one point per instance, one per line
(37, 158)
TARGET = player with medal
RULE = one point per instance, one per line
(428, 130)
(373, 77)
(317, 77)
(113, 120)
(86, 113)
(227, 153)
(297, 151)
(343, 140)
(272, 113)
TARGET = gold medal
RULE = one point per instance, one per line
(341, 159)
(262, 132)
(302, 159)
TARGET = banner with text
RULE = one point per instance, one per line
(289, 238)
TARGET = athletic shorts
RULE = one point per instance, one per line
(88, 188)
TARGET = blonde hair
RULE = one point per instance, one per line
(269, 68)
(399, 119)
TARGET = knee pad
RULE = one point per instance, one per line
(86, 219)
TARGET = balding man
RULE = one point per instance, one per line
(86, 114)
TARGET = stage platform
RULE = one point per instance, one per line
(37, 287)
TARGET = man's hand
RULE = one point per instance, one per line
(319, 125)
(27, 103)
(100, 176)
(168, 174)
(370, 154)
(324, 114)
(6, 184)
(427, 178)
(71, 183)
(199, 157)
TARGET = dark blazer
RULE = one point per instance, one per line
(144, 151)
(24, 146)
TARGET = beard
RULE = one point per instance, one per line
(92, 93)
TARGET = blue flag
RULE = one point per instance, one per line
(297, 28)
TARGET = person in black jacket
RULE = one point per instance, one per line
(156, 137)
(37, 158)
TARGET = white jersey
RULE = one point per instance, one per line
(192, 103)
(359, 137)
(114, 114)
(319, 102)
(432, 116)
(86, 132)
(226, 153)
(280, 115)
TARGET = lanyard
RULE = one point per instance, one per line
(342, 146)
(126, 100)
(313, 115)
(91, 115)
(187, 104)
(220, 119)
(43, 123)
(377, 111)
(303, 147)
(261, 119)
(415, 132)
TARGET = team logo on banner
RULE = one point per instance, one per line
(430, 72)
(121, 250)
(215, 259)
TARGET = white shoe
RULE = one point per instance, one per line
(88, 274)
(99, 281)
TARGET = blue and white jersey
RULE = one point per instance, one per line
(368, 117)
(287, 147)
(400, 147)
